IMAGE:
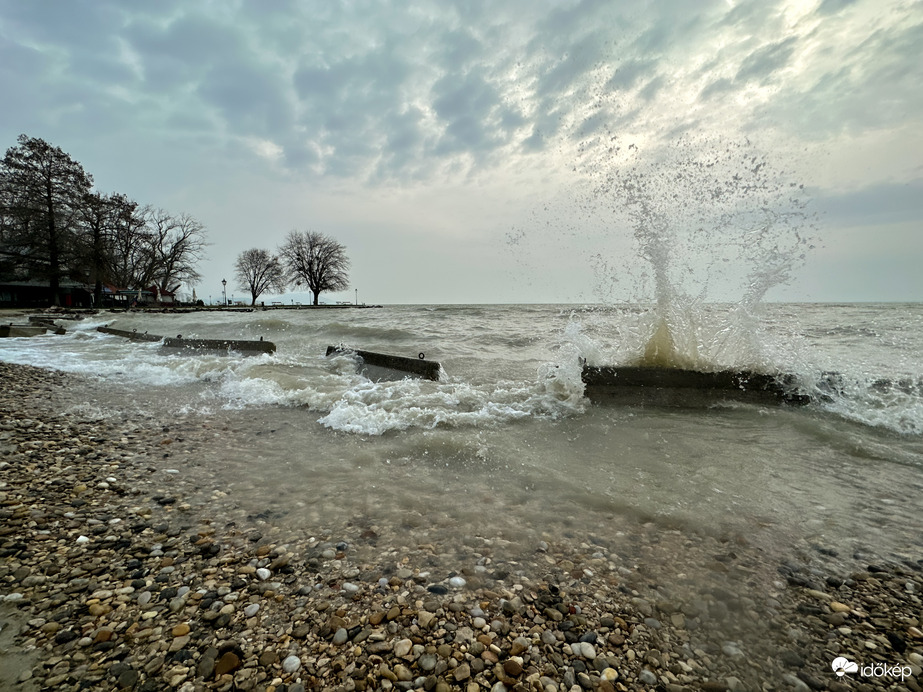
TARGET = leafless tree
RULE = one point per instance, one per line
(316, 260)
(131, 260)
(177, 243)
(259, 272)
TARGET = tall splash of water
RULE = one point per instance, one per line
(713, 221)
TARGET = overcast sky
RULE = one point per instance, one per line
(460, 150)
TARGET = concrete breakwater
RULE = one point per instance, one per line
(179, 342)
(421, 367)
(677, 387)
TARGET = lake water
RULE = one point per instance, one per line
(506, 444)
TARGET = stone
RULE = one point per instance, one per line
(291, 664)
(463, 672)
(512, 668)
(402, 647)
(340, 636)
(584, 650)
(128, 679)
(252, 610)
(520, 645)
(228, 663)
(180, 630)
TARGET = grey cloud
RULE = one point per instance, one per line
(765, 60)
(828, 7)
(629, 73)
(250, 97)
(652, 88)
(55, 24)
(878, 86)
(718, 87)
(459, 48)
(750, 15)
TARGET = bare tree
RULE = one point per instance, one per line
(259, 272)
(177, 245)
(316, 260)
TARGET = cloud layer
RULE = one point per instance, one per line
(402, 96)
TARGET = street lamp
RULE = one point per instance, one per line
(224, 291)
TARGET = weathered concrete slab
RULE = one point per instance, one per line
(220, 345)
(243, 346)
(134, 335)
(47, 322)
(675, 387)
(427, 369)
(14, 330)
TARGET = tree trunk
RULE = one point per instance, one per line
(54, 277)
(316, 295)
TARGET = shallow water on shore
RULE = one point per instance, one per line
(506, 445)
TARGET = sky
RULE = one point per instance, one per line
(474, 152)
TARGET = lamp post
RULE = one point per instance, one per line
(224, 291)
(357, 296)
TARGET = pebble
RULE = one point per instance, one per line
(583, 649)
(252, 610)
(402, 647)
(263, 574)
(290, 664)
(457, 582)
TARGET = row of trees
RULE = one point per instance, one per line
(54, 226)
(314, 260)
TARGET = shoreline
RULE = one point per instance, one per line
(117, 580)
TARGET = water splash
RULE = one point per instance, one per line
(712, 221)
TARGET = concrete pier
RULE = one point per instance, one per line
(673, 387)
(195, 344)
(427, 369)
(14, 330)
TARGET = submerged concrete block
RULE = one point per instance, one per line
(220, 344)
(134, 335)
(179, 342)
(427, 369)
(13, 330)
(685, 388)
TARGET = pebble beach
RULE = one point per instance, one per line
(120, 569)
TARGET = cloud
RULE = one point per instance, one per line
(766, 60)
(427, 94)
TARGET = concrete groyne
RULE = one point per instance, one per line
(179, 342)
(427, 369)
(676, 387)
